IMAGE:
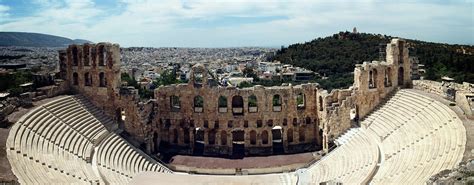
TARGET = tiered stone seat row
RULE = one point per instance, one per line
(415, 135)
(65, 141)
(422, 138)
(346, 136)
(42, 143)
(118, 159)
(351, 163)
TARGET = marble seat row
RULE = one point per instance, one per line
(405, 141)
(119, 159)
(42, 143)
(351, 162)
(66, 141)
(429, 139)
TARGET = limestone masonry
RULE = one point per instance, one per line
(201, 117)
(385, 129)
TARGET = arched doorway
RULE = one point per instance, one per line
(238, 144)
(120, 117)
(400, 76)
(277, 140)
(198, 141)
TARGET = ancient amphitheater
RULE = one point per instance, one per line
(386, 129)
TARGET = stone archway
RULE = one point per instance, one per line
(237, 105)
(238, 144)
(198, 141)
(277, 140)
(120, 116)
(400, 76)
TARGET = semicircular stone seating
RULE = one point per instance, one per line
(66, 141)
(408, 139)
(405, 141)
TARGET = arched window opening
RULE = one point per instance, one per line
(253, 137)
(102, 80)
(175, 103)
(86, 52)
(289, 136)
(285, 122)
(87, 79)
(212, 137)
(238, 136)
(252, 103)
(230, 124)
(373, 79)
(264, 137)
(301, 133)
(246, 123)
(198, 76)
(216, 124)
(375, 76)
(321, 108)
(198, 104)
(199, 136)
(277, 135)
(121, 114)
(102, 53)
(259, 123)
(308, 120)
(300, 101)
(276, 103)
(270, 123)
(110, 61)
(75, 78)
(222, 104)
(295, 122)
(237, 105)
(75, 57)
(223, 137)
(387, 80)
(400, 76)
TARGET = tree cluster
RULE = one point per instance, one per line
(335, 57)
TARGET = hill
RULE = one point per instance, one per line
(335, 57)
(36, 40)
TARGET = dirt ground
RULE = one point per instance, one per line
(247, 162)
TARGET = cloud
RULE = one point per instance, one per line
(212, 23)
(4, 11)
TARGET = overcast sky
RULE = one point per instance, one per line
(220, 23)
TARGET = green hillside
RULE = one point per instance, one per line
(35, 40)
(335, 57)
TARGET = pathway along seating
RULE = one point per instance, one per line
(407, 140)
(65, 141)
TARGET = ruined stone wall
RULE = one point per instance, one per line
(219, 126)
(213, 120)
(373, 82)
(463, 93)
(94, 71)
(430, 87)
